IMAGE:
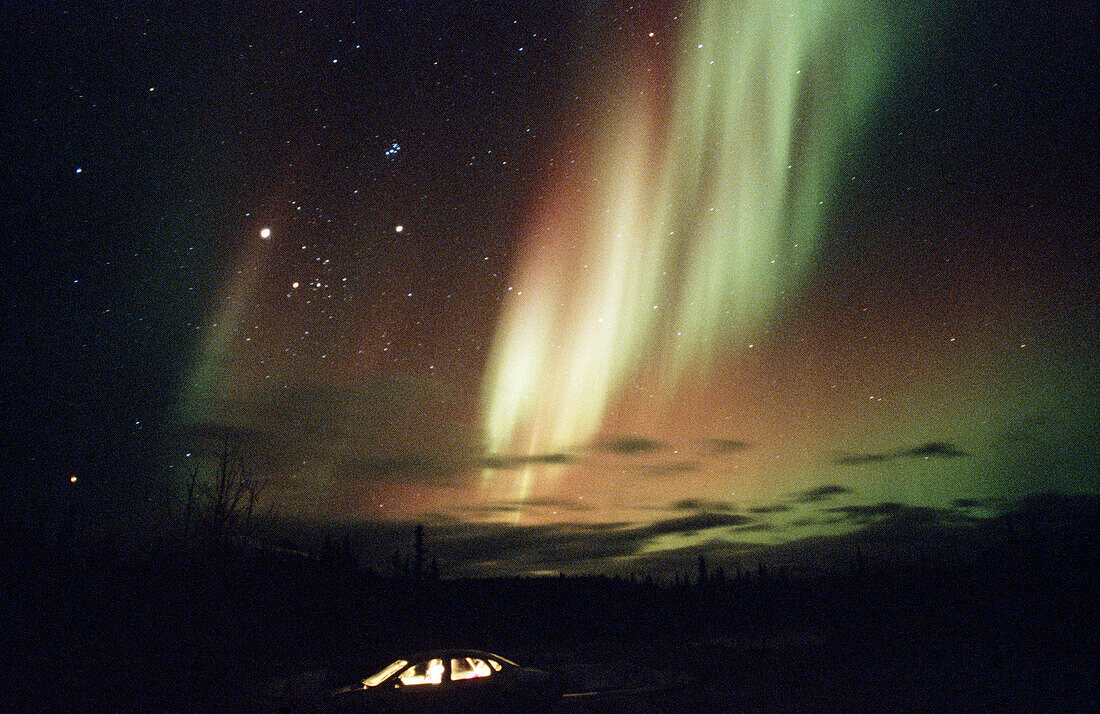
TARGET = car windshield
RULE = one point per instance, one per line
(375, 679)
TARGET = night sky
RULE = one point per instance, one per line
(574, 284)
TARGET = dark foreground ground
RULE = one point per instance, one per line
(1013, 628)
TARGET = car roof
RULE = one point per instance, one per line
(453, 653)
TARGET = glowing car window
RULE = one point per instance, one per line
(494, 664)
(375, 679)
(469, 668)
(430, 672)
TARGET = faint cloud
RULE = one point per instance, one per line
(384, 427)
(491, 509)
(691, 524)
(775, 508)
(723, 447)
(702, 504)
(932, 449)
(884, 532)
(867, 514)
(504, 463)
(845, 459)
(518, 506)
(902, 516)
(755, 527)
(561, 504)
(492, 548)
(631, 445)
(821, 493)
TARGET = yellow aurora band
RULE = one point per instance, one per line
(693, 217)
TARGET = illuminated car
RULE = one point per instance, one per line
(451, 680)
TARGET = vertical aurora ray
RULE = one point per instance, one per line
(693, 218)
(210, 377)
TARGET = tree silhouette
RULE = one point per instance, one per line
(418, 546)
(223, 507)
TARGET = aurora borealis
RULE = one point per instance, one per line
(700, 208)
(575, 284)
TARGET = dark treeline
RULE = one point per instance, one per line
(210, 619)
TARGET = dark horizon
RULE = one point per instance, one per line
(195, 624)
